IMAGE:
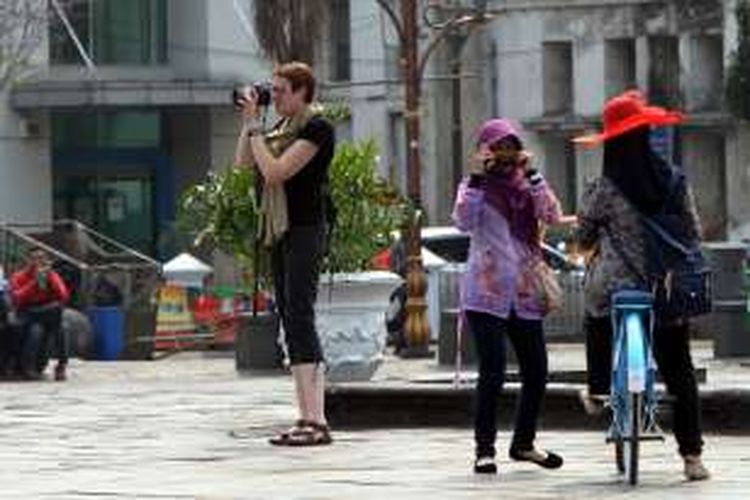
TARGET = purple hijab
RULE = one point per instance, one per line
(506, 191)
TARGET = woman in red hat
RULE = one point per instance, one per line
(635, 181)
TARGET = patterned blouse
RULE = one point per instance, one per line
(499, 277)
(609, 227)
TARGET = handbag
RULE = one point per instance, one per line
(679, 279)
(684, 290)
(548, 287)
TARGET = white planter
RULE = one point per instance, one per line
(350, 319)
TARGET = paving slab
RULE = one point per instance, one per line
(161, 430)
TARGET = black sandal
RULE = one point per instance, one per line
(312, 434)
(551, 461)
(282, 438)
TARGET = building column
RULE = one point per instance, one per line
(26, 166)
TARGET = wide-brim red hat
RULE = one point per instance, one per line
(626, 112)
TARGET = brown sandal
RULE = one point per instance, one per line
(313, 434)
(282, 439)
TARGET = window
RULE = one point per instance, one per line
(706, 73)
(557, 64)
(560, 169)
(111, 31)
(704, 158)
(340, 41)
(123, 129)
(664, 71)
(397, 154)
(619, 65)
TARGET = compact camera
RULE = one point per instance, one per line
(262, 91)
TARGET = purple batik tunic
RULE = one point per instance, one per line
(499, 277)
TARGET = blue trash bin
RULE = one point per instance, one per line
(108, 324)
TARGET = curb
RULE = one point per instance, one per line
(355, 405)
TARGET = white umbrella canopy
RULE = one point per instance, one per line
(186, 270)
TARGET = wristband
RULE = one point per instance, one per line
(534, 176)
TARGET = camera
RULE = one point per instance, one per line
(262, 91)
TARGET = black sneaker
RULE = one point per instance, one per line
(485, 465)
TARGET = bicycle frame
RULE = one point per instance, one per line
(632, 395)
(632, 360)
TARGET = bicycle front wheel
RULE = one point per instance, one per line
(631, 444)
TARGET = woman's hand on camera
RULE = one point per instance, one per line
(478, 161)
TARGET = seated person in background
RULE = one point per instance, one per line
(38, 294)
(8, 338)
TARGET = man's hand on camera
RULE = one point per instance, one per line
(250, 113)
(250, 108)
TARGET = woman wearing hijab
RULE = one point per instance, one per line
(635, 181)
(503, 204)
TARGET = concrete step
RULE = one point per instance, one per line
(432, 404)
(559, 376)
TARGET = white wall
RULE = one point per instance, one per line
(518, 38)
(233, 51)
(25, 164)
(187, 33)
(25, 173)
(370, 106)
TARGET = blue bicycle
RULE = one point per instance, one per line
(633, 400)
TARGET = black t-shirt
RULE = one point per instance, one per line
(304, 190)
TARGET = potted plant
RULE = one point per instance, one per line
(222, 213)
(352, 298)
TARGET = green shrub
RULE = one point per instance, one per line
(368, 208)
(222, 212)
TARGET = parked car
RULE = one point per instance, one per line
(452, 246)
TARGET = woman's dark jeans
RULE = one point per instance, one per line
(671, 346)
(527, 337)
(295, 263)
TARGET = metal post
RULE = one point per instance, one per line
(416, 327)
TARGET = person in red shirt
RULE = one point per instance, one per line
(38, 294)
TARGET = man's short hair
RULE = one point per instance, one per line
(37, 249)
(299, 75)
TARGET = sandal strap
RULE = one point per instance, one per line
(311, 435)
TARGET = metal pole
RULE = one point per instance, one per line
(416, 327)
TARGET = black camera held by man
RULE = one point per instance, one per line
(262, 91)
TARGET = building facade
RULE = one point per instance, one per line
(113, 145)
(551, 65)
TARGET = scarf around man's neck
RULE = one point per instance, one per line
(273, 220)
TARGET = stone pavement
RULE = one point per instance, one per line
(160, 429)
